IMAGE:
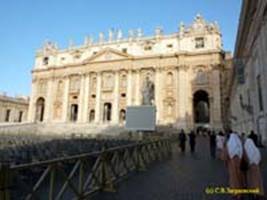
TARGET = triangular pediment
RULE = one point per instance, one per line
(108, 54)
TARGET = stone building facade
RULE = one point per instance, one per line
(13, 109)
(95, 82)
(248, 94)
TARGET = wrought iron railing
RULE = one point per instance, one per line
(78, 177)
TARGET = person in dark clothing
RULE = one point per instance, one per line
(182, 140)
(192, 141)
(254, 137)
(212, 136)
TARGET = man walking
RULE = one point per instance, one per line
(182, 140)
(192, 141)
(254, 137)
(212, 144)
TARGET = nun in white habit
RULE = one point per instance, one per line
(234, 153)
(253, 157)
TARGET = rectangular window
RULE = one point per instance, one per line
(7, 115)
(259, 92)
(169, 46)
(199, 43)
(124, 50)
(20, 116)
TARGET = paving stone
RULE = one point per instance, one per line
(185, 177)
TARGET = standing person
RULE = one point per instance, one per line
(220, 140)
(254, 137)
(212, 144)
(253, 157)
(243, 163)
(192, 141)
(182, 140)
(243, 137)
(234, 153)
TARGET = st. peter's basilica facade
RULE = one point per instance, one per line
(95, 82)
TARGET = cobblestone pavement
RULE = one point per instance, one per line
(184, 176)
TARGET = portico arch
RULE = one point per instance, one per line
(40, 108)
(201, 106)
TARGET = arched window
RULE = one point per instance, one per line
(122, 115)
(45, 61)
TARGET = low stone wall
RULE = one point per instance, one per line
(77, 129)
(18, 128)
(65, 129)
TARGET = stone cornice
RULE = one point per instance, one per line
(134, 69)
(135, 58)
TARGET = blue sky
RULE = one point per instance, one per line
(26, 24)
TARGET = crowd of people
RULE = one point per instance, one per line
(241, 156)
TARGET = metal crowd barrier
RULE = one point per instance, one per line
(78, 177)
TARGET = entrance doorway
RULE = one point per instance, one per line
(74, 112)
(92, 116)
(107, 112)
(201, 107)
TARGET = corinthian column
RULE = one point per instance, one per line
(216, 106)
(81, 99)
(137, 89)
(129, 88)
(182, 96)
(86, 99)
(49, 101)
(158, 94)
(66, 100)
(115, 111)
(32, 106)
(98, 98)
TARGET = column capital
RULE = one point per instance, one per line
(183, 67)
(137, 70)
(216, 66)
(99, 73)
(159, 69)
(66, 76)
(170, 67)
